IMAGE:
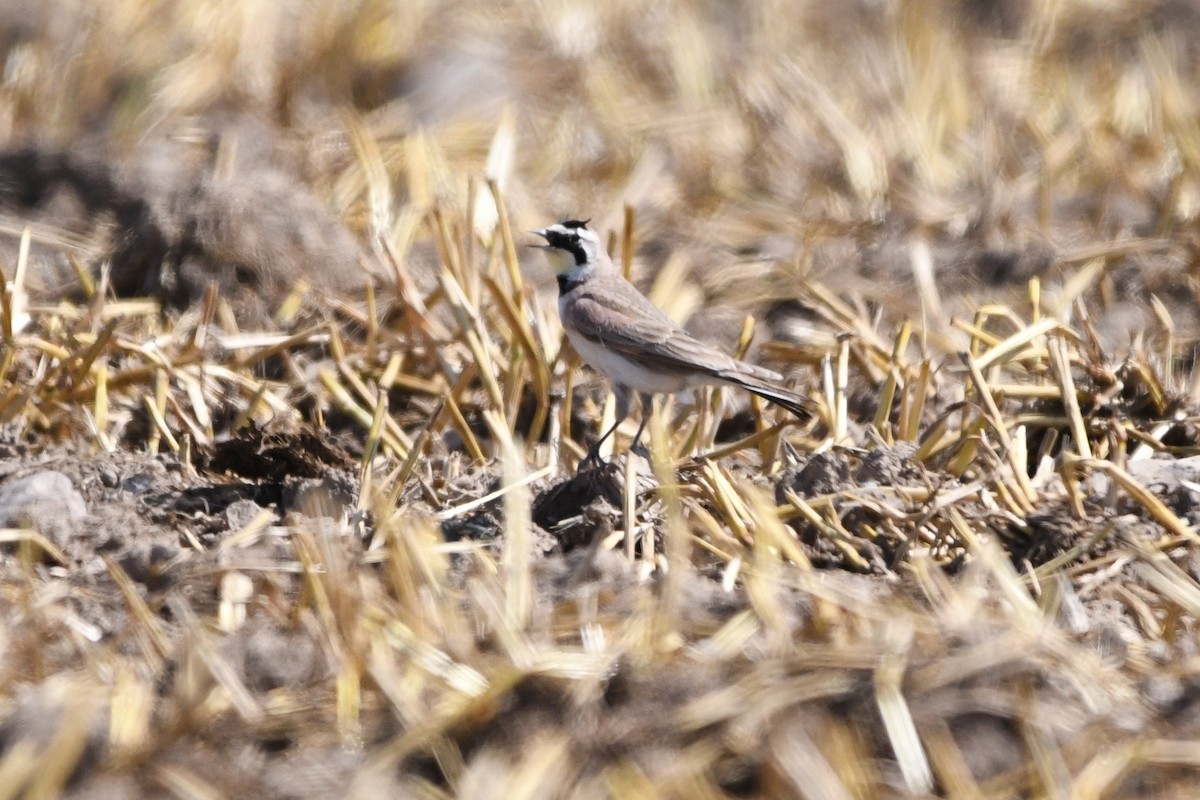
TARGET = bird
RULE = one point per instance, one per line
(617, 331)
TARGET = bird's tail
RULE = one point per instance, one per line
(798, 404)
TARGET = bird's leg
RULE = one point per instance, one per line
(624, 404)
(647, 403)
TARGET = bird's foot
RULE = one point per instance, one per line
(590, 461)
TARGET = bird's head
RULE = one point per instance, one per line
(570, 246)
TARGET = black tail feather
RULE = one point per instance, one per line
(798, 404)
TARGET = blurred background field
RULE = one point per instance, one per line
(288, 434)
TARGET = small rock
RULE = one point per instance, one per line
(241, 513)
(1163, 691)
(271, 659)
(44, 500)
(890, 466)
(823, 473)
(139, 483)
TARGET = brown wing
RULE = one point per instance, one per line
(611, 312)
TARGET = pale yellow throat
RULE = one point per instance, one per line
(562, 261)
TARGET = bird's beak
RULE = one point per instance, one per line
(541, 233)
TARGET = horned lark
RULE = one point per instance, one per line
(617, 331)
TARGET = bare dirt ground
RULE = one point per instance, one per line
(289, 434)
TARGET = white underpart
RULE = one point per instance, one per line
(622, 370)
